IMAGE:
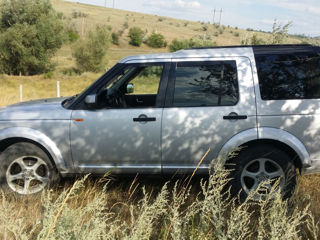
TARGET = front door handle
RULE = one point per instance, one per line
(144, 118)
(235, 116)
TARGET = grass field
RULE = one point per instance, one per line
(153, 208)
(122, 209)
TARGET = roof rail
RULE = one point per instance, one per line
(253, 46)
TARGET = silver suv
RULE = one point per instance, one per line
(159, 114)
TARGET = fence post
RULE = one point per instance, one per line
(58, 89)
(21, 96)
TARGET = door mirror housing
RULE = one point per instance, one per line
(130, 88)
(91, 100)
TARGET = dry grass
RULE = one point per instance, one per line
(144, 208)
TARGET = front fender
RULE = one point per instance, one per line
(40, 138)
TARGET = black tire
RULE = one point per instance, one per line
(246, 171)
(26, 169)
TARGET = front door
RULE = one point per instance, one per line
(122, 134)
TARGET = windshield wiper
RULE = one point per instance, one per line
(69, 99)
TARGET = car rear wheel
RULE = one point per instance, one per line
(262, 163)
(26, 169)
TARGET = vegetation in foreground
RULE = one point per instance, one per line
(101, 209)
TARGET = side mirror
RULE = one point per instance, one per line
(130, 88)
(91, 100)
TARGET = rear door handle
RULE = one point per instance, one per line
(144, 118)
(235, 116)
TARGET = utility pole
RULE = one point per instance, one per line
(220, 16)
(105, 3)
(214, 14)
(113, 4)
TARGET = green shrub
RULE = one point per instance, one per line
(156, 40)
(78, 14)
(255, 40)
(176, 44)
(31, 32)
(125, 25)
(48, 75)
(72, 34)
(236, 34)
(115, 38)
(89, 53)
(136, 36)
(205, 28)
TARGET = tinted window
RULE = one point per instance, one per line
(206, 84)
(285, 76)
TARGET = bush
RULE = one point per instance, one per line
(156, 40)
(72, 34)
(89, 53)
(182, 44)
(176, 45)
(205, 28)
(136, 36)
(31, 32)
(125, 25)
(48, 75)
(78, 14)
(279, 33)
(115, 38)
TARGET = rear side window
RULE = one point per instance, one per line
(206, 84)
(285, 76)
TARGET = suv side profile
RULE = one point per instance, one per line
(159, 113)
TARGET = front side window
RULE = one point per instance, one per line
(289, 76)
(135, 86)
(206, 84)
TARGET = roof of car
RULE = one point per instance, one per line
(221, 51)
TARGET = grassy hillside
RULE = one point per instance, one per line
(44, 86)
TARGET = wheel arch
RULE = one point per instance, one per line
(14, 135)
(272, 136)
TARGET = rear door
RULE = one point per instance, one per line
(208, 102)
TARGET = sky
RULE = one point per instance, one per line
(255, 14)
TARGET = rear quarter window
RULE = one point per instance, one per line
(289, 76)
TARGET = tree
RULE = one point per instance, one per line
(156, 40)
(90, 52)
(136, 36)
(31, 32)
